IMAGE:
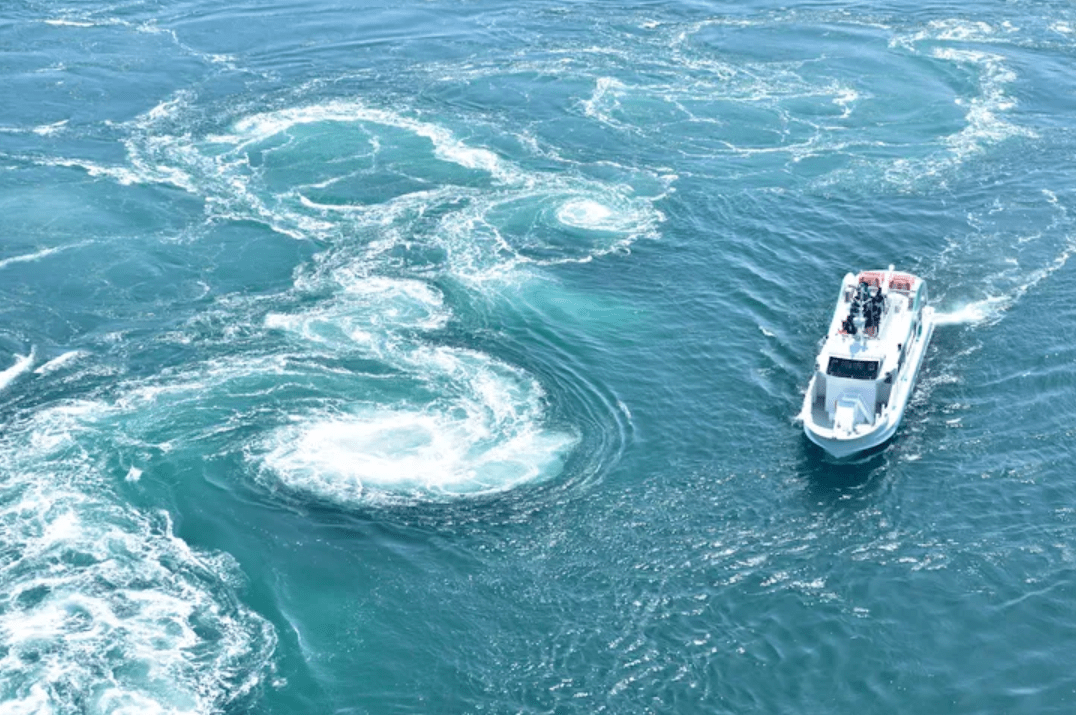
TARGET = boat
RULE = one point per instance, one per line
(869, 361)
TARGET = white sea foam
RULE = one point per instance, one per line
(974, 312)
(102, 608)
(585, 213)
(960, 30)
(947, 30)
(367, 315)
(65, 22)
(48, 130)
(845, 99)
(471, 233)
(447, 146)
(384, 455)
(987, 114)
(413, 421)
(493, 236)
(60, 362)
(605, 101)
(486, 438)
(22, 364)
(984, 121)
(124, 175)
(38, 255)
(429, 423)
(476, 427)
(1007, 287)
(169, 108)
(463, 424)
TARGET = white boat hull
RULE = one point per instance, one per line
(842, 447)
(843, 444)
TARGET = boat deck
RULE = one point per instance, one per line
(819, 415)
(821, 418)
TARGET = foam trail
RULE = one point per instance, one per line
(62, 22)
(992, 308)
(60, 362)
(533, 216)
(972, 313)
(30, 257)
(22, 364)
(447, 146)
(48, 130)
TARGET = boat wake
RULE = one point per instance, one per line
(1009, 285)
(981, 311)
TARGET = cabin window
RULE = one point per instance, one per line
(855, 369)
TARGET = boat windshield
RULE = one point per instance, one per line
(855, 369)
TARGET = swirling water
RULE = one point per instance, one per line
(443, 357)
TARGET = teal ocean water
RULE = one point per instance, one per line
(443, 357)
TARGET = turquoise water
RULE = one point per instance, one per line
(444, 357)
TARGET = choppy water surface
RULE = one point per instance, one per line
(443, 357)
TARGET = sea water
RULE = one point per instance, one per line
(444, 357)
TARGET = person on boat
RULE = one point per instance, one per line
(875, 308)
(864, 305)
(848, 326)
(863, 292)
